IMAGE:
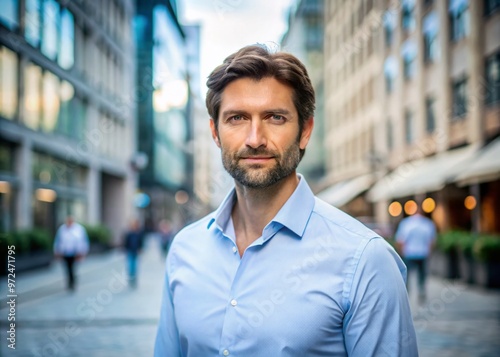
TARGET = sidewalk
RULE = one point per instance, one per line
(106, 318)
(102, 318)
(457, 320)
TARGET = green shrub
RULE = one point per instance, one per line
(98, 234)
(28, 240)
(450, 240)
(40, 240)
(487, 248)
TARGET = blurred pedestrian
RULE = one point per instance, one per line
(415, 239)
(71, 244)
(166, 234)
(275, 271)
(133, 243)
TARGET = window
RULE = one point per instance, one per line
(32, 96)
(50, 28)
(459, 98)
(490, 6)
(390, 73)
(408, 15)
(51, 102)
(9, 15)
(32, 27)
(493, 79)
(390, 134)
(430, 29)
(409, 127)
(409, 54)
(8, 83)
(459, 19)
(430, 115)
(66, 56)
(389, 26)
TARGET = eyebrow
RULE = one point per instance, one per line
(280, 111)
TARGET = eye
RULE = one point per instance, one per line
(277, 118)
(236, 117)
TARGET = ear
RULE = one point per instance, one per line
(306, 132)
(215, 135)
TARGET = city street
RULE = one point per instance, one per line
(106, 318)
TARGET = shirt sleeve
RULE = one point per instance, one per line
(378, 320)
(57, 242)
(84, 248)
(167, 337)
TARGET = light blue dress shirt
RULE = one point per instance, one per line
(316, 283)
(416, 233)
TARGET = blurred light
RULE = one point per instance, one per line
(4, 187)
(171, 95)
(181, 197)
(395, 209)
(470, 202)
(411, 207)
(428, 205)
(45, 176)
(66, 91)
(141, 200)
(45, 195)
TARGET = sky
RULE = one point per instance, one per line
(228, 25)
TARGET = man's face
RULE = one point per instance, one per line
(258, 132)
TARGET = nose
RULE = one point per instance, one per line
(256, 136)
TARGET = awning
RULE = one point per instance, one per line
(345, 191)
(485, 166)
(422, 176)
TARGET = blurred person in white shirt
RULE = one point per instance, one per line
(71, 244)
(415, 239)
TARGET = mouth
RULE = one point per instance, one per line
(257, 159)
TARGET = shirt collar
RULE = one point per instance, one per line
(294, 214)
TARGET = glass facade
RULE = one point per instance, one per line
(430, 115)
(66, 57)
(493, 79)
(50, 28)
(32, 96)
(430, 28)
(409, 131)
(8, 83)
(53, 171)
(459, 98)
(32, 27)
(170, 95)
(51, 105)
(459, 19)
(9, 15)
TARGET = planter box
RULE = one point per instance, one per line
(444, 265)
(31, 261)
(97, 248)
(488, 274)
(467, 268)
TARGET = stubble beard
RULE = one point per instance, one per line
(257, 175)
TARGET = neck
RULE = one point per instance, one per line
(255, 207)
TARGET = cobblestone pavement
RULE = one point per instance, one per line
(457, 320)
(106, 318)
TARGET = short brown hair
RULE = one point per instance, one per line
(258, 62)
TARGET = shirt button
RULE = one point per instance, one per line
(235, 249)
(225, 353)
(234, 302)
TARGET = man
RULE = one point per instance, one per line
(275, 271)
(415, 238)
(133, 243)
(72, 244)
